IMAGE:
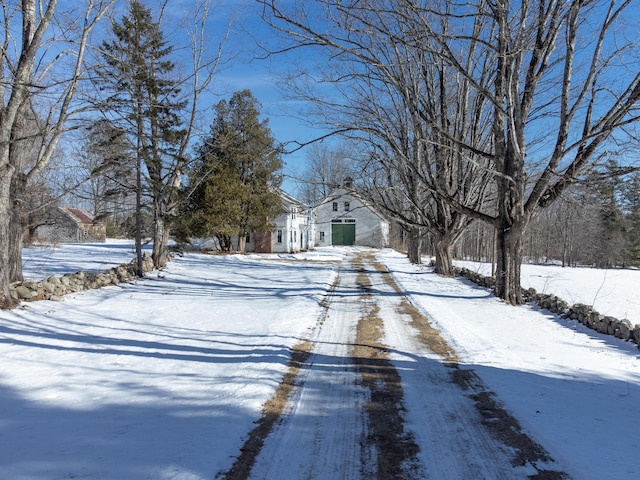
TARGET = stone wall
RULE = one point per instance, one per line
(54, 288)
(584, 314)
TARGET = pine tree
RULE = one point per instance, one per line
(631, 207)
(142, 96)
(235, 180)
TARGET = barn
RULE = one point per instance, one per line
(71, 225)
(344, 218)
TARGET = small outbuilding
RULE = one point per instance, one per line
(344, 218)
(71, 225)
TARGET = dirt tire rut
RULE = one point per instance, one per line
(341, 411)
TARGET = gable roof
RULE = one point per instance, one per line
(290, 200)
(340, 192)
(79, 215)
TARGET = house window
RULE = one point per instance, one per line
(279, 235)
(322, 236)
(295, 236)
(335, 206)
(248, 238)
(346, 206)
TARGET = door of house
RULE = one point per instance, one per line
(343, 233)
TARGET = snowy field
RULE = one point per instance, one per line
(612, 292)
(163, 379)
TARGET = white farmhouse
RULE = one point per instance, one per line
(292, 230)
(343, 218)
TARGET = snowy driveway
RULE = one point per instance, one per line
(168, 377)
(373, 400)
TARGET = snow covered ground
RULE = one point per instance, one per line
(162, 379)
(577, 392)
(611, 292)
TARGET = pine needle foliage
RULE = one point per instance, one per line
(236, 179)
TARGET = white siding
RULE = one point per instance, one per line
(295, 228)
(371, 229)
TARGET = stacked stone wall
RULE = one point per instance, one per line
(584, 314)
(54, 288)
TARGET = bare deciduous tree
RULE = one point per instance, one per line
(557, 80)
(106, 175)
(563, 70)
(41, 65)
(391, 91)
(328, 168)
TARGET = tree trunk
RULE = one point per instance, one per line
(161, 232)
(414, 247)
(444, 255)
(6, 173)
(225, 242)
(15, 243)
(139, 270)
(509, 259)
(242, 242)
(18, 188)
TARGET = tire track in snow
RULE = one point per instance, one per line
(462, 429)
(395, 447)
(321, 432)
(375, 358)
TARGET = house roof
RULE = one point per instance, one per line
(288, 199)
(79, 215)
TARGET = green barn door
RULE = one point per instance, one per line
(343, 234)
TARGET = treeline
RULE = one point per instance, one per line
(587, 226)
(596, 222)
(497, 117)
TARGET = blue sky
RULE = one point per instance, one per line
(242, 69)
(245, 70)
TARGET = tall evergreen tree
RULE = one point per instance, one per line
(143, 97)
(235, 181)
(631, 209)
